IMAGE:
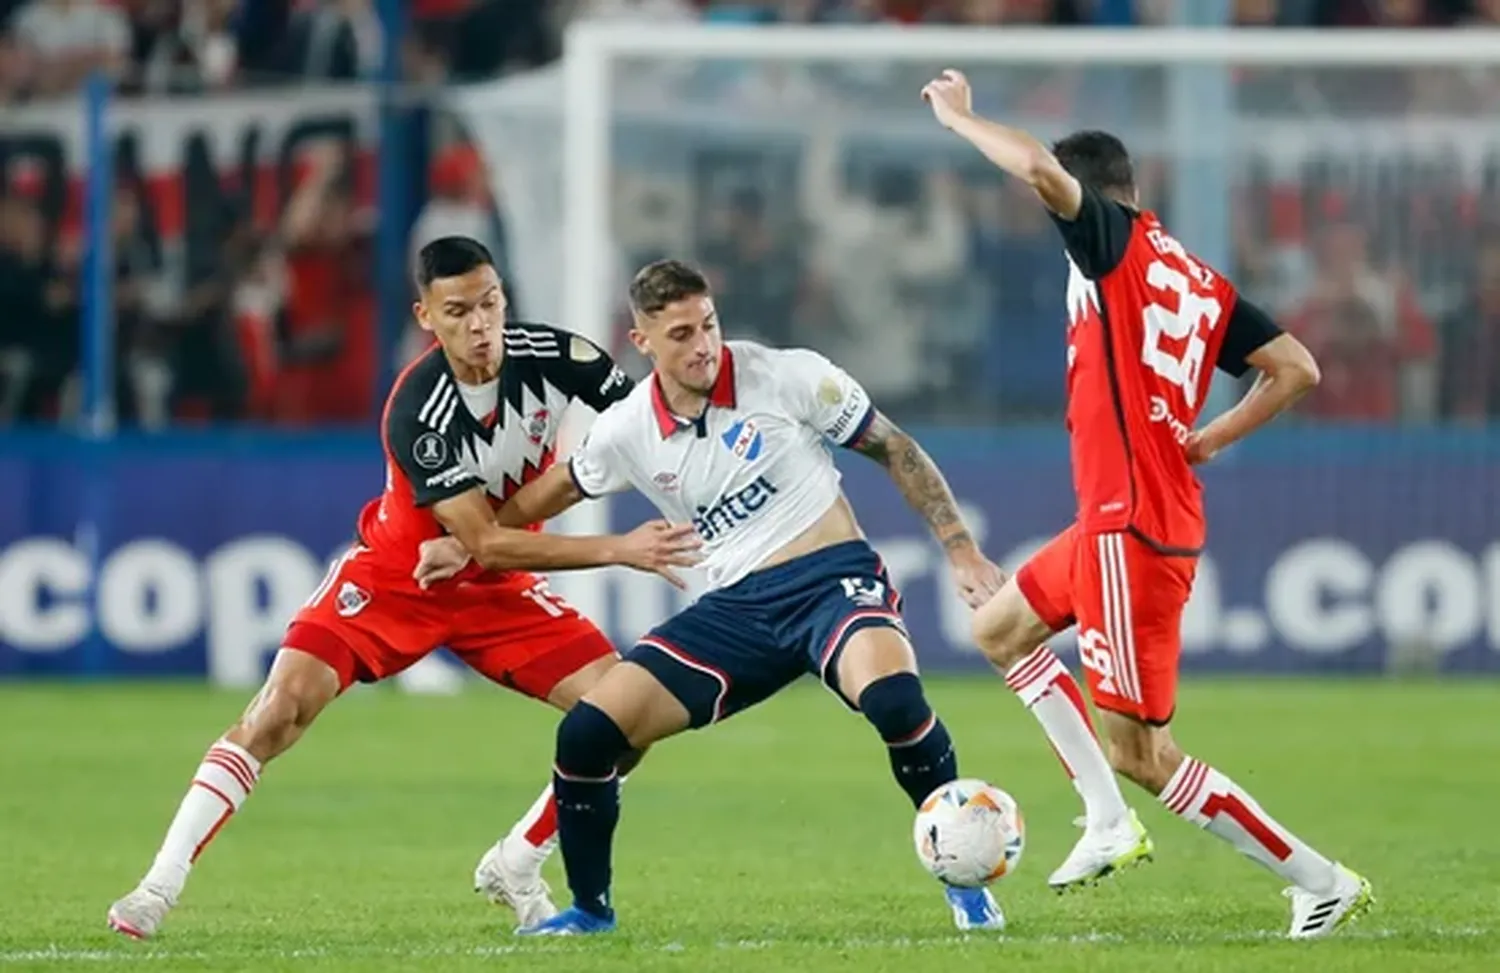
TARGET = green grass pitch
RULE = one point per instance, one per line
(774, 842)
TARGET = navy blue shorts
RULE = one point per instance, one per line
(739, 645)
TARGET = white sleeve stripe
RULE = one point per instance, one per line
(542, 341)
(442, 426)
(431, 405)
(445, 403)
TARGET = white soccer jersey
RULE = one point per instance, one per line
(753, 472)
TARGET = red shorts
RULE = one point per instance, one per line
(1127, 601)
(368, 620)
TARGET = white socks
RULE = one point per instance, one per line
(223, 781)
(533, 837)
(1212, 801)
(1051, 693)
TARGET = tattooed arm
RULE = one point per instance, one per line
(830, 401)
(918, 479)
(925, 489)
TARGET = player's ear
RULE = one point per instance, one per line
(419, 311)
(638, 338)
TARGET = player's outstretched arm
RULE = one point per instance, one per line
(927, 491)
(537, 502)
(542, 499)
(655, 546)
(1286, 372)
(1017, 152)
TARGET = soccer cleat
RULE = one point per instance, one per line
(1103, 852)
(974, 909)
(523, 890)
(572, 921)
(1315, 915)
(139, 913)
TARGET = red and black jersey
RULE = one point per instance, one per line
(436, 448)
(1144, 316)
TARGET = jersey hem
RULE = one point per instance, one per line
(1157, 547)
(801, 529)
(1165, 550)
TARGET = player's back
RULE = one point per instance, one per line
(1144, 335)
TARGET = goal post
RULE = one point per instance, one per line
(595, 50)
(810, 147)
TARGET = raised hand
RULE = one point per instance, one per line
(950, 96)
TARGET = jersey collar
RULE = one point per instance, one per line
(721, 395)
(483, 426)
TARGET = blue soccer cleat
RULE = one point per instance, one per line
(572, 921)
(974, 909)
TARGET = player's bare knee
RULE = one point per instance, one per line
(278, 716)
(572, 688)
(1006, 629)
(269, 726)
(872, 655)
(639, 704)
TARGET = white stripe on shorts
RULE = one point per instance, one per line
(1119, 630)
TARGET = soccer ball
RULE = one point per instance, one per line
(969, 833)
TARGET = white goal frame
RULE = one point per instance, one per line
(591, 48)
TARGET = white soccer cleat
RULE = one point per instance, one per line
(1103, 851)
(522, 889)
(139, 913)
(1315, 915)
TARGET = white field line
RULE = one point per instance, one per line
(146, 954)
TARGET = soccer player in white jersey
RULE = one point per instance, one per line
(731, 437)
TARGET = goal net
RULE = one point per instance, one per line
(1343, 179)
(801, 166)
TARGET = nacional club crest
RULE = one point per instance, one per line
(744, 439)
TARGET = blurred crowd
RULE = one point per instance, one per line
(932, 280)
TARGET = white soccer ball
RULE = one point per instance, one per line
(969, 833)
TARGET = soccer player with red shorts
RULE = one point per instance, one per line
(465, 426)
(1147, 324)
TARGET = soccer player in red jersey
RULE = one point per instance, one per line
(1147, 324)
(465, 426)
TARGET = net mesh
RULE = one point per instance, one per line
(831, 211)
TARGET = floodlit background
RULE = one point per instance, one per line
(187, 422)
(207, 214)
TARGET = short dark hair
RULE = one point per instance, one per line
(665, 282)
(450, 256)
(1097, 159)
